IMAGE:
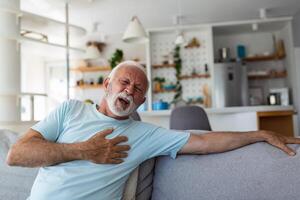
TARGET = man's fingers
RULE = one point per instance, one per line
(121, 148)
(118, 140)
(114, 161)
(106, 132)
(119, 155)
(287, 149)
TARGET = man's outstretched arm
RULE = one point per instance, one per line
(33, 150)
(216, 142)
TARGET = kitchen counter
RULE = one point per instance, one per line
(225, 110)
(223, 119)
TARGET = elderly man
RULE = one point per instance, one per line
(88, 151)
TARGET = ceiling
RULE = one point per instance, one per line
(114, 15)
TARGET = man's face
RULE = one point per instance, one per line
(126, 91)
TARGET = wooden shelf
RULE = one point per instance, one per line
(194, 76)
(88, 86)
(163, 66)
(268, 76)
(91, 69)
(263, 58)
(195, 103)
(163, 91)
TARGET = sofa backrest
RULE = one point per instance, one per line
(257, 171)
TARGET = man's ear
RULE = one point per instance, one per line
(144, 100)
(105, 83)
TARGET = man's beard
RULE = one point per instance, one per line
(120, 104)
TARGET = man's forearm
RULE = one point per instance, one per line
(216, 142)
(44, 153)
(33, 150)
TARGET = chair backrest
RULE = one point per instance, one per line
(188, 118)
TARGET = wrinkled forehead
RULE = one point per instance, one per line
(132, 73)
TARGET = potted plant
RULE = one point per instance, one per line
(178, 66)
(116, 58)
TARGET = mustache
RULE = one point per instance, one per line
(125, 96)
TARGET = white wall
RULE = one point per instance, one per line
(131, 51)
(10, 63)
(296, 42)
(296, 29)
(33, 75)
(297, 81)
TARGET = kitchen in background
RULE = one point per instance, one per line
(237, 64)
(260, 50)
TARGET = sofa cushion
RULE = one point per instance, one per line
(145, 180)
(257, 171)
(15, 182)
(131, 185)
(146, 174)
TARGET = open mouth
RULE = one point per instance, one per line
(124, 102)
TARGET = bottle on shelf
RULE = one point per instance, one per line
(206, 68)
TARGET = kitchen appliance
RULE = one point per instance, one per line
(274, 99)
(230, 84)
(283, 95)
(224, 54)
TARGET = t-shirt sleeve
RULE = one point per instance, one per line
(51, 126)
(166, 142)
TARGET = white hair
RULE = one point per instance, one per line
(129, 64)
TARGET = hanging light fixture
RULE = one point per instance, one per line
(34, 35)
(262, 13)
(92, 52)
(180, 37)
(254, 27)
(135, 32)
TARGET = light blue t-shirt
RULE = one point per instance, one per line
(74, 121)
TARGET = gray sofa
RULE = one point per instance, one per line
(255, 172)
(15, 182)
